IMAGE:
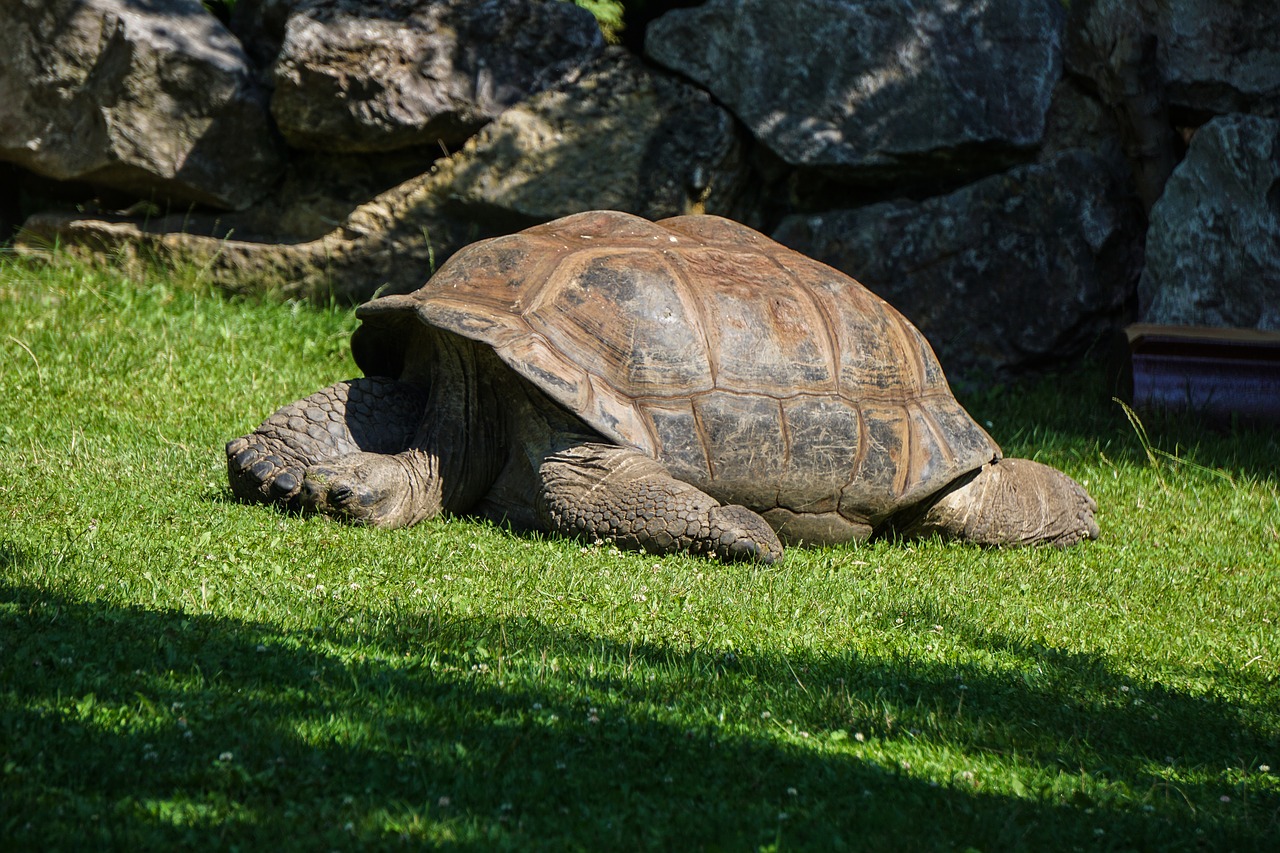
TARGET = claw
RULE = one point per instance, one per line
(261, 471)
(284, 485)
(244, 457)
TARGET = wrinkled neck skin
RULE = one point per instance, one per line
(461, 441)
(486, 430)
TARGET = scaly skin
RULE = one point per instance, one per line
(602, 491)
(363, 415)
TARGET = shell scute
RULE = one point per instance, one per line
(824, 441)
(626, 312)
(745, 446)
(679, 436)
(766, 335)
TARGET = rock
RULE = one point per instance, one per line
(357, 76)
(1213, 246)
(1212, 58)
(1006, 275)
(873, 89)
(1223, 57)
(153, 98)
(619, 137)
(1076, 119)
(318, 192)
(391, 243)
(259, 25)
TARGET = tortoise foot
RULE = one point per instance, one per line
(263, 470)
(738, 533)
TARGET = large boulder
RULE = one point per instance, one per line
(1078, 119)
(1213, 247)
(1222, 57)
(619, 137)
(152, 97)
(391, 242)
(260, 25)
(1211, 58)
(873, 89)
(1006, 275)
(360, 76)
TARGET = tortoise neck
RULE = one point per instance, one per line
(460, 430)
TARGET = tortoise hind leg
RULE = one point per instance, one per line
(601, 491)
(372, 415)
(1012, 502)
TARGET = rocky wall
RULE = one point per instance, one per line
(1004, 173)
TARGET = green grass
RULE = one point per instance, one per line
(179, 670)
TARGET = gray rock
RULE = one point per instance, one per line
(1112, 44)
(1213, 246)
(1223, 57)
(391, 242)
(874, 89)
(356, 76)
(152, 97)
(1211, 57)
(1005, 275)
(620, 137)
(259, 24)
(1076, 119)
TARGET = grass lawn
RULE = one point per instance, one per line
(178, 670)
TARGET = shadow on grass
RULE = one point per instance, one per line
(140, 729)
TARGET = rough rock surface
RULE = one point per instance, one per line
(1213, 247)
(1078, 120)
(620, 137)
(871, 89)
(1221, 57)
(1005, 275)
(391, 242)
(259, 25)
(671, 152)
(356, 76)
(155, 98)
(1211, 57)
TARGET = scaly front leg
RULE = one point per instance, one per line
(371, 415)
(601, 491)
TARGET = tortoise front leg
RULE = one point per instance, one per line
(610, 493)
(371, 415)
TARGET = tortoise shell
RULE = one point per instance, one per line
(757, 374)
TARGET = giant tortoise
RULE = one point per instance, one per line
(684, 385)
